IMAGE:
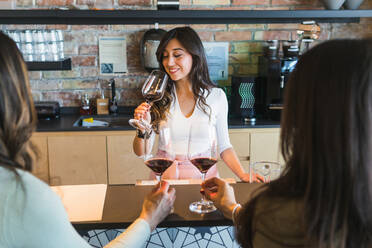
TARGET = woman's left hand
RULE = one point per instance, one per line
(255, 178)
(245, 178)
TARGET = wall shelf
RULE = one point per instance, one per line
(104, 17)
(62, 65)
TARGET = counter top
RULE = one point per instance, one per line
(123, 205)
(66, 123)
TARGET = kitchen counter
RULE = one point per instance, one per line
(123, 205)
(69, 116)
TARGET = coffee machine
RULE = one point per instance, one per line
(246, 98)
(274, 71)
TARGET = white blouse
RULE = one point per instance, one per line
(180, 125)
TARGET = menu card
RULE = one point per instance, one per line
(82, 202)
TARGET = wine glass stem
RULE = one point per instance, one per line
(203, 199)
(158, 177)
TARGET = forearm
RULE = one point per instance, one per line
(232, 161)
(138, 145)
(134, 236)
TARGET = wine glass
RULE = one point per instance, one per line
(158, 152)
(202, 153)
(152, 90)
(265, 170)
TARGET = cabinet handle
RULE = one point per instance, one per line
(244, 158)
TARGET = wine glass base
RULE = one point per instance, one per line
(202, 207)
(140, 124)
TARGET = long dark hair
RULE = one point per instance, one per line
(199, 73)
(326, 143)
(17, 113)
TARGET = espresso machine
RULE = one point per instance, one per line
(274, 71)
(246, 98)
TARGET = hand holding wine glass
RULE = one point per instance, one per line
(152, 90)
(202, 153)
(222, 195)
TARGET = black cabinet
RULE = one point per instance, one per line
(61, 65)
(103, 17)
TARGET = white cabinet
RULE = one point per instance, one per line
(252, 145)
(124, 167)
(239, 139)
(107, 157)
(41, 166)
(264, 146)
(77, 159)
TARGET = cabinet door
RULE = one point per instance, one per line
(239, 139)
(124, 167)
(265, 146)
(77, 160)
(41, 168)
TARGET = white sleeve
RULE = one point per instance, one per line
(134, 236)
(41, 221)
(221, 121)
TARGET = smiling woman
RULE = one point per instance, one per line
(190, 96)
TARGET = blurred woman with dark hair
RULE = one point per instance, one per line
(324, 197)
(31, 214)
(190, 96)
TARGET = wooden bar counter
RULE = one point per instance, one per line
(123, 204)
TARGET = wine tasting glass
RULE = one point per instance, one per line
(202, 153)
(158, 152)
(267, 170)
(152, 90)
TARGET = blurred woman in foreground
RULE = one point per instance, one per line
(31, 214)
(324, 197)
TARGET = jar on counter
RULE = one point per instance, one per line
(291, 48)
(85, 108)
(271, 48)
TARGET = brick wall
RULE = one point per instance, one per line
(81, 44)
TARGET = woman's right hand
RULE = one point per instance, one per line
(143, 112)
(158, 204)
(221, 194)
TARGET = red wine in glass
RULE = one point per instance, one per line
(158, 165)
(153, 97)
(158, 151)
(203, 163)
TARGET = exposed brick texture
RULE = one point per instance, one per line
(273, 35)
(54, 2)
(88, 50)
(233, 35)
(246, 26)
(90, 27)
(24, 3)
(250, 2)
(84, 61)
(135, 2)
(211, 2)
(245, 44)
